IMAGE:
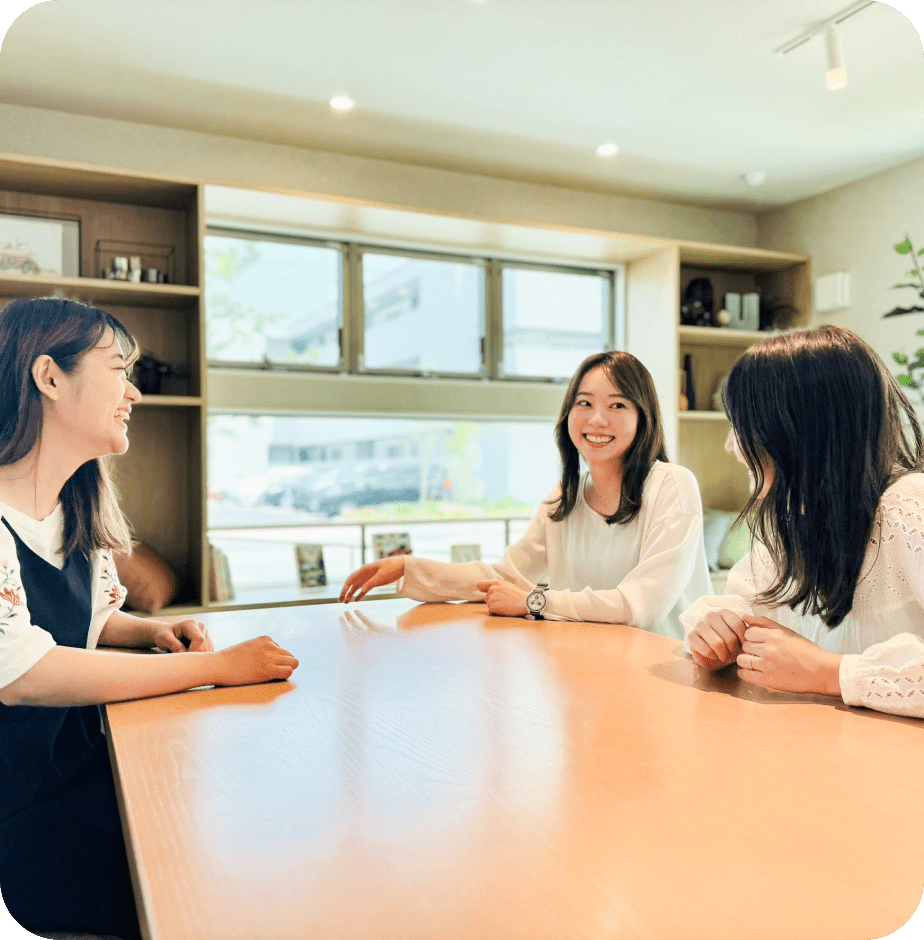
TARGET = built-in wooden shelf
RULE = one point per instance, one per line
(99, 290)
(720, 336)
(702, 416)
(169, 401)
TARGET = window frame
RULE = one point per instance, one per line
(351, 312)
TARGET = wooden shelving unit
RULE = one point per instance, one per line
(161, 479)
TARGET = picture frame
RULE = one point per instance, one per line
(386, 544)
(310, 560)
(39, 245)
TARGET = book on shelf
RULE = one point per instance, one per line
(220, 586)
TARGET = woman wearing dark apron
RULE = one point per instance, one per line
(64, 402)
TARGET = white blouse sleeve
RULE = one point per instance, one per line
(108, 594)
(888, 677)
(22, 643)
(524, 564)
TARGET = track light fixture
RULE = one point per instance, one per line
(836, 73)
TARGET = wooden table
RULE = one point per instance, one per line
(432, 772)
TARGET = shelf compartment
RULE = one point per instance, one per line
(720, 336)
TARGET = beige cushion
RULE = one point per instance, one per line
(151, 583)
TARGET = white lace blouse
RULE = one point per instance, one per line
(643, 572)
(883, 635)
(23, 643)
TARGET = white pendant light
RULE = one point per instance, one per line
(836, 76)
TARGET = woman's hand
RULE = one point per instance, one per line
(716, 640)
(361, 581)
(187, 635)
(503, 598)
(259, 660)
(778, 658)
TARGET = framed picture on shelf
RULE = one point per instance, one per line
(386, 544)
(310, 560)
(31, 244)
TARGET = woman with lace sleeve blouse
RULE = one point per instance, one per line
(65, 400)
(831, 597)
(621, 543)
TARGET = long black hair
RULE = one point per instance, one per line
(635, 383)
(65, 330)
(821, 411)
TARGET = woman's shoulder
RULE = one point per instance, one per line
(670, 481)
(902, 504)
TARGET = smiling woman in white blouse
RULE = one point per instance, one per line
(831, 597)
(620, 543)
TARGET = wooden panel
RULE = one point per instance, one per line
(651, 328)
(158, 483)
(710, 365)
(431, 772)
(723, 482)
(98, 292)
(65, 179)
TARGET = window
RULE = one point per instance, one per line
(422, 314)
(466, 473)
(279, 303)
(553, 320)
(272, 300)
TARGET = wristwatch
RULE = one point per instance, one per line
(535, 601)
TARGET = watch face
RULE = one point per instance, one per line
(535, 601)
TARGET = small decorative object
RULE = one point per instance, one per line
(149, 257)
(32, 244)
(748, 317)
(150, 374)
(689, 386)
(723, 318)
(912, 363)
(386, 544)
(134, 269)
(463, 553)
(776, 314)
(683, 403)
(310, 560)
(696, 308)
(119, 268)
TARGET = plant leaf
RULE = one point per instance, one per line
(900, 358)
(904, 248)
(906, 380)
(898, 311)
(915, 286)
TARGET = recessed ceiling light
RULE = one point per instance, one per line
(341, 103)
(755, 177)
(607, 150)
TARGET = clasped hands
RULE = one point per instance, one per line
(766, 653)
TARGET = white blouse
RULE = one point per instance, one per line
(642, 573)
(22, 643)
(883, 635)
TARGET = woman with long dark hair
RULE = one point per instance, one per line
(831, 597)
(65, 400)
(621, 543)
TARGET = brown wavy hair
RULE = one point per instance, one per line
(820, 408)
(64, 330)
(634, 382)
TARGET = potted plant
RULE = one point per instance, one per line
(913, 376)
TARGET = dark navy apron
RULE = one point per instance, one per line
(42, 749)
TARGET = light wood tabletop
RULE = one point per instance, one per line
(432, 772)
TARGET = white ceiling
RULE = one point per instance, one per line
(690, 90)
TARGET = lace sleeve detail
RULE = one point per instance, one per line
(888, 677)
(901, 530)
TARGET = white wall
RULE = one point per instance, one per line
(853, 229)
(237, 162)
